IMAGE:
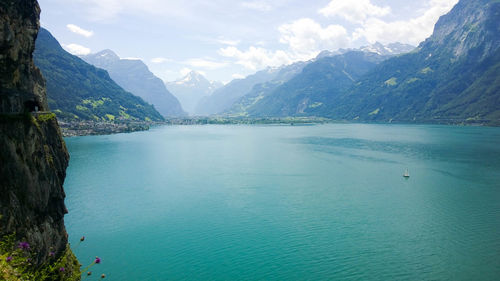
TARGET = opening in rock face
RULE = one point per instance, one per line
(32, 106)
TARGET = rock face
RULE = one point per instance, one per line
(33, 156)
(470, 29)
(20, 81)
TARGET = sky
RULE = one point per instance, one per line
(228, 39)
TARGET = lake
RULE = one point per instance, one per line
(323, 202)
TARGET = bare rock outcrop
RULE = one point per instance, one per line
(33, 156)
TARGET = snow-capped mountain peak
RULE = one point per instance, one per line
(191, 88)
(193, 78)
(391, 49)
(107, 54)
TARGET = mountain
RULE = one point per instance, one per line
(319, 79)
(391, 49)
(307, 92)
(259, 91)
(224, 98)
(453, 76)
(191, 88)
(134, 76)
(77, 90)
(237, 97)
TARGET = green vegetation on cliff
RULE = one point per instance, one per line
(77, 90)
(16, 265)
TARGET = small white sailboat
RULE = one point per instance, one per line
(406, 174)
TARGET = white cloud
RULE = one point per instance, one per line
(257, 5)
(237, 76)
(80, 31)
(354, 11)
(110, 10)
(205, 63)
(411, 31)
(301, 39)
(76, 49)
(160, 60)
(306, 38)
(228, 42)
(131, 58)
(256, 57)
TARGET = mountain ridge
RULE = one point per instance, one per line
(432, 84)
(224, 97)
(315, 85)
(134, 76)
(451, 77)
(77, 90)
(391, 49)
(236, 97)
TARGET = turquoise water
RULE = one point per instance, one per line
(324, 202)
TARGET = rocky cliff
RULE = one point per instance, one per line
(20, 81)
(33, 156)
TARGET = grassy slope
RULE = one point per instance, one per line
(77, 90)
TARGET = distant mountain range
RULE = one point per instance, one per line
(226, 97)
(134, 76)
(452, 77)
(77, 90)
(191, 88)
(378, 48)
(319, 74)
(277, 77)
(319, 82)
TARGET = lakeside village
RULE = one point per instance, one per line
(87, 127)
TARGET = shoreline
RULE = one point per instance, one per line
(91, 128)
(88, 128)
